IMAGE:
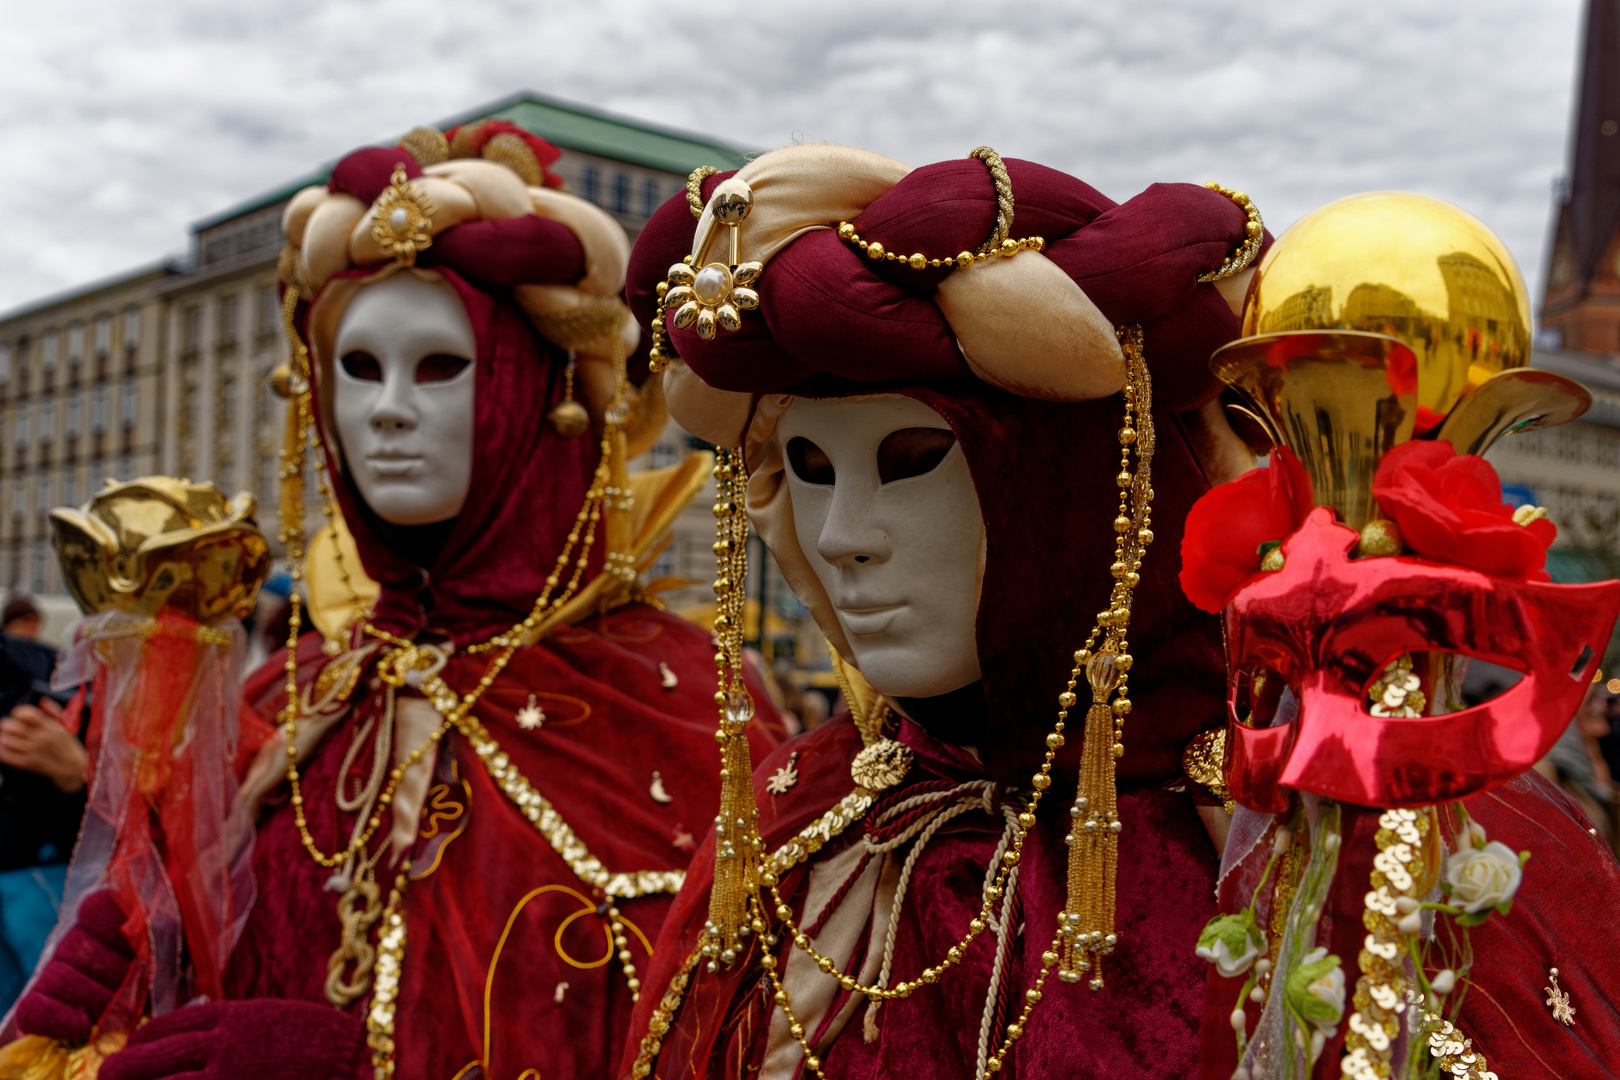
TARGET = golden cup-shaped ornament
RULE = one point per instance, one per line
(1378, 317)
(157, 541)
(1407, 266)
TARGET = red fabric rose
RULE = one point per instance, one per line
(1449, 507)
(1226, 527)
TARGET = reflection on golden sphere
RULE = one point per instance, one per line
(1380, 536)
(569, 418)
(1414, 268)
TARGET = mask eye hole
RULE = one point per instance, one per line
(1261, 698)
(1434, 683)
(810, 462)
(912, 452)
(361, 365)
(440, 367)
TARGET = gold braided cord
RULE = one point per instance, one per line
(1254, 234)
(1004, 198)
(694, 188)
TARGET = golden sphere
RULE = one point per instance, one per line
(1407, 266)
(1380, 536)
(569, 418)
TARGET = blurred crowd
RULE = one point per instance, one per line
(42, 793)
(1586, 760)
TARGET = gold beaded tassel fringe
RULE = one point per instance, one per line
(737, 841)
(1086, 924)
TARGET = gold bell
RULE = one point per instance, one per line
(569, 418)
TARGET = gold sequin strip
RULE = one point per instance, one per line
(390, 968)
(1454, 1054)
(1381, 991)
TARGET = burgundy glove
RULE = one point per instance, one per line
(255, 1039)
(82, 976)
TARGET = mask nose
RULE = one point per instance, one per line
(394, 413)
(851, 536)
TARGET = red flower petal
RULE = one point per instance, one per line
(1220, 549)
(1449, 507)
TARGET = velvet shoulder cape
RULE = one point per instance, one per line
(509, 964)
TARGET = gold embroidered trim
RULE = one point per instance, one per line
(623, 885)
(663, 1017)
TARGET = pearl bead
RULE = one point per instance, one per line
(399, 218)
(713, 284)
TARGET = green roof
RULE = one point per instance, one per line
(571, 127)
(576, 127)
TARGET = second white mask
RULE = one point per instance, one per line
(402, 398)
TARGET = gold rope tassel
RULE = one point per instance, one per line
(737, 843)
(1086, 924)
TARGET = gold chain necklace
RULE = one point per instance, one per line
(1081, 940)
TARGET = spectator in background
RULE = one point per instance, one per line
(21, 618)
(42, 796)
(1576, 762)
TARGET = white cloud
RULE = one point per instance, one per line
(125, 122)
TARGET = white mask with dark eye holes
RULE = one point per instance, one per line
(886, 513)
(402, 398)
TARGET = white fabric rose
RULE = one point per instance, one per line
(1231, 942)
(1484, 877)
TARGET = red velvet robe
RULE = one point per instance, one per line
(506, 965)
(507, 962)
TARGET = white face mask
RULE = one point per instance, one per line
(402, 398)
(886, 513)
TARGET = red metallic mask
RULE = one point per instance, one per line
(1328, 625)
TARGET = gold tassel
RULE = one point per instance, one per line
(1086, 924)
(737, 842)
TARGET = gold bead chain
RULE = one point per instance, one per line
(961, 261)
(1136, 436)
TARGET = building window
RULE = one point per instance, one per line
(75, 342)
(42, 492)
(75, 407)
(591, 183)
(649, 197)
(126, 411)
(621, 192)
(269, 311)
(98, 408)
(39, 568)
(47, 350)
(22, 424)
(132, 326)
(70, 485)
(190, 329)
(103, 335)
(126, 466)
(46, 413)
(5, 365)
(229, 312)
(19, 498)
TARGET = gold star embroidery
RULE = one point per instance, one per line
(785, 777)
(531, 715)
(1558, 999)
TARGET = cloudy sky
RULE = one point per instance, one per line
(124, 122)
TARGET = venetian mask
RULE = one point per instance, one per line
(402, 398)
(886, 513)
(1327, 627)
